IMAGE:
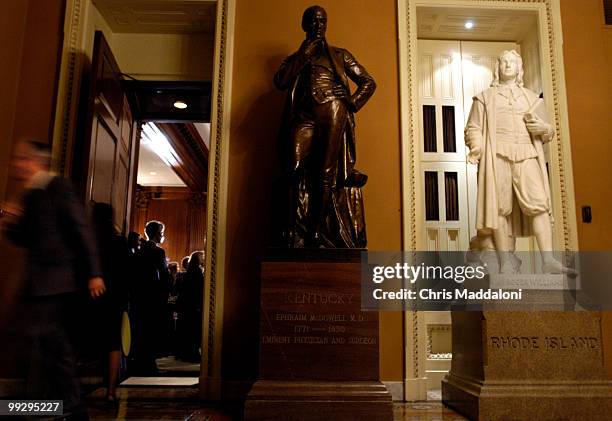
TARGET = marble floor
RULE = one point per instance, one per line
(185, 408)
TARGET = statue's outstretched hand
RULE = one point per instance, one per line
(536, 126)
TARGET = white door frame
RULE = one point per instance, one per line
(553, 82)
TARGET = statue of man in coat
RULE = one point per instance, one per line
(505, 131)
(325, 206)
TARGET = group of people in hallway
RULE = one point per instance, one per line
(80, 276)
(165, 302)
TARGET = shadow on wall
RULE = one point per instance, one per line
(254, 168)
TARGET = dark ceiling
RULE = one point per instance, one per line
(154, 100)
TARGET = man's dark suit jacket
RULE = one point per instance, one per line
(150, 286)
(60, 245)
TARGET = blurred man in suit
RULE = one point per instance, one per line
(50, 224)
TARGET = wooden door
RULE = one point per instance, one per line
(108, 160)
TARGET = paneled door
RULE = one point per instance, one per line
(107, 167)
(441, 119)
(450, 74)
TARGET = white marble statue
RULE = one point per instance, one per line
(505, 132)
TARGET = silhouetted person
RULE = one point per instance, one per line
(190, 308)
(172, 314)
(50, 224)
(184, 263)
(114, 256)
(133, 241)
(149, 295)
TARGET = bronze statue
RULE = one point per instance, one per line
(324, 203)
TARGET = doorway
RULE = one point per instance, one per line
(146, 123)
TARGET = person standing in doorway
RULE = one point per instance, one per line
(114, 255)
(148, 299)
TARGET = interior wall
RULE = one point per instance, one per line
(30, 36)
(12, 30)
(587, 49)
(183, 214)
(530, 52)
(587, 53)
(152, 56)
(94, 21)
(165, 56)
(266, 32)
(30, 40)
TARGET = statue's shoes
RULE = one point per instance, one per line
(508, 268)
(555, 267)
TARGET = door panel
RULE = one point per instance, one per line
(109, 167)
(103, 163)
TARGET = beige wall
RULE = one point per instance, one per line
(266, 32)
(587, 53)
(165, 56)
(94, 22)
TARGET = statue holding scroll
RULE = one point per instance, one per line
(317, 144)
(506, 129)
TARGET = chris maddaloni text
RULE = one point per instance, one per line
(444, 294)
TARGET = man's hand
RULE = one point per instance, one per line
(96, 287)
(339, 92)
(309, 48)
(536, 126)
(11, 209)
(474, 155)
(9, 214)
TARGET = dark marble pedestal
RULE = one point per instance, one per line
(318, 350)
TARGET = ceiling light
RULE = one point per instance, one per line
(152, 173)
(468, 25)
(158, 142)
(181, 105)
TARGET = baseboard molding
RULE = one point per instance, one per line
(210, 388)
(415, 389)
(236, 390)
(396, 389)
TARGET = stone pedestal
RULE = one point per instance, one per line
(318, 350)
(528, 366)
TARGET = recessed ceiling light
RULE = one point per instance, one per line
(469, 24)
(152, 173)
(181, 105)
